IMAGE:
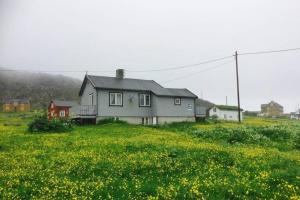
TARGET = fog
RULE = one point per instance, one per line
(101, 36)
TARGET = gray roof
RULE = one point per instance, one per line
(64, 103)
(204, 103)
(104, 82)
(226, 107)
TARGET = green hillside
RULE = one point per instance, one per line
(178, 161)
(39, 88)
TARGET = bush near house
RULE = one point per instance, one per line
(173, 161)
(41, 124)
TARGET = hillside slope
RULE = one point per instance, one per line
(40, 88)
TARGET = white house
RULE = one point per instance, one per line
(295, 115)
(224, 112)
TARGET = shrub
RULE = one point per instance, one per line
(110, 120)
(240, 135)
(42, 124)
(276, 132)
(214, 119)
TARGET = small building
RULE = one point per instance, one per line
(224, 112)
(16, 105)
(202, 107)
(61, 109)
(271, 109)
(295, 115)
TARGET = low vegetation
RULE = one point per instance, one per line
(178, 161)
(281, 134)
(41, 124)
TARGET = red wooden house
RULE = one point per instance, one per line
(60, 109)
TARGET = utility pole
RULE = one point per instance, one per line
(238, 85)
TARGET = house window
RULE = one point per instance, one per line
(62, 113)
(91, 96)
(145, 100)
(215, 109)
(177, 101)
(115, 99)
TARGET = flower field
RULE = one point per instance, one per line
(259, 159)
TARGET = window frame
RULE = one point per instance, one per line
(62, 111)
(177, 104)
(115, 93)
(145, 95)
(91, 99)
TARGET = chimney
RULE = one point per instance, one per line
(120, 73)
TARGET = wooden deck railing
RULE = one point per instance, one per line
(87, 110)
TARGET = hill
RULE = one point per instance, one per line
(39, 88)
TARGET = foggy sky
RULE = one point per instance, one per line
(98, 35)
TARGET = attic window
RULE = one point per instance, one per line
(215, 109)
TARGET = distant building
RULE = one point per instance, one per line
(202, 107)
(271, 109)
(16, 105)
(224, 112)
(61, 109)
(295, 115)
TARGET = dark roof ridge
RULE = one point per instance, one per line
(137, 79)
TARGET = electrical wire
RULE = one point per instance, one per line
(156, 70)
(131, 71)
(267, 52)
(198, 72)
(183, 66)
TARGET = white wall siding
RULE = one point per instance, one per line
(130, 107)
(165, 107)
(162, 120)
(225, 114)
(89, 89)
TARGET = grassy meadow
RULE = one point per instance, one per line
(259, 159)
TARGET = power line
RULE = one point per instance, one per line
(182, 66)
(270, 51)
(198, 72)
(155, 70)
(131, 71)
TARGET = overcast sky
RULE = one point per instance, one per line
(102, 35)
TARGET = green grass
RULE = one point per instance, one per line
(121, 161)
